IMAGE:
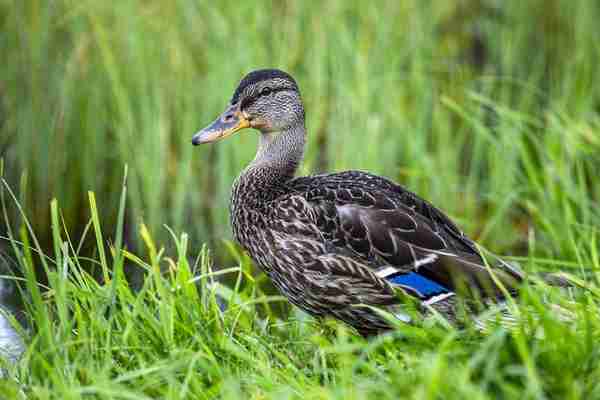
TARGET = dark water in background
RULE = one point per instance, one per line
(11, 344)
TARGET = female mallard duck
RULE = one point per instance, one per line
(334, 243)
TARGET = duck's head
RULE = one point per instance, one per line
(267, 99)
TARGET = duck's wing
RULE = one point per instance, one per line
(327, 281)
(402, 238)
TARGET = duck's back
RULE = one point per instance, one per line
(377, 213)
(395, 233)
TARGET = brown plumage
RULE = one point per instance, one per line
(333, 243)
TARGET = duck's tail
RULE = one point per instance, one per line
(557, 279)
(507, 312)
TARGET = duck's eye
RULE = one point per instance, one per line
(265, 91)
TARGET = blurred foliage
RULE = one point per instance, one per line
(487, 108)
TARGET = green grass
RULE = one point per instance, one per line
(491, 110)
(174, 338)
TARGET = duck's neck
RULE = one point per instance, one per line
(279, 155)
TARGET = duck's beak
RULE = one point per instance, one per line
(231, 121)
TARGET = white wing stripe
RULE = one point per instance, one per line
(386, 271)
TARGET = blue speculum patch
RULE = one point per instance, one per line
(426, 287)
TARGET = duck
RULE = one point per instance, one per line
(344, 245)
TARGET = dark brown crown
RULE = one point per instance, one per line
(261, 75)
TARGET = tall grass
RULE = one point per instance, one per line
(491, 110)
(185, 335)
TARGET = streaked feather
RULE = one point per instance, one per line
(341, 244)
(332, 241)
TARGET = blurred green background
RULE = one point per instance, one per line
(489, 109)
